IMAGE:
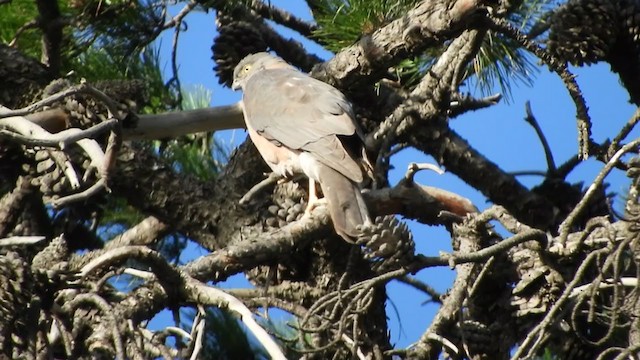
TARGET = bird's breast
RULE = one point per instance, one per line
(282, 160)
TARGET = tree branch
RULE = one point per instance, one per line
(429, 23)
(174, 124)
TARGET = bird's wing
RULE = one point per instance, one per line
(302, 113)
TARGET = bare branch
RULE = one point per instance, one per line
(270, 180)
(186, 122)
(211, 296)
(582, 111)
(566, 225)
(535, 334)
(144, 233)
(83, 88)
(624, 132)
(21, 240)
(531, 120)
(63, 138)
(461, 104)
(413, 168)
(284, 18)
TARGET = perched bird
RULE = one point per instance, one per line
(301, 125)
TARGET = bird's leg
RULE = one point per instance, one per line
(313, 198)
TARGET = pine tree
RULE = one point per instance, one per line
(110, 169)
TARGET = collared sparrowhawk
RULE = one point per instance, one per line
(301, 125)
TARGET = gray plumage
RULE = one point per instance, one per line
(295, 122)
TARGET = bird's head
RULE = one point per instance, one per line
(252, 64)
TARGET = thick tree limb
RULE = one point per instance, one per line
(427, 24)
(50, 22)
(159, 126)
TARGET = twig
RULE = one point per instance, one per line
(625, 281)
(463, 103)
(563, 170)
(59, 329)
(174, 64)
(25, 127)
(21, 240)
(144, 233)
(145, 275)
(82, 88)
(347, 340)
(528, 173)
(499, 213)
(444, 341)
(538, 331)
(209, 295)
(413, 168)
(177, 20)
(531, 120)
(271, 179)
(143, 253)
(485, 270)
(199, 328)
(565, 226)
(61, 139)
(94, 189)
(284, 18)
(103, 162)
(453, 302)
(626, 129)
(435, 295)
(33, 24)
(582, 111)
(454, 259)
(106, 310)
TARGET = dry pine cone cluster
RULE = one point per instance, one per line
(587, 31)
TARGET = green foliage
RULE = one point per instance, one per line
(499, 63)
(96, 64)
(343, 22)
(548, 355)
(123, 27)
(197, 154)
(15, 15)
(118, 215)
(500, 60)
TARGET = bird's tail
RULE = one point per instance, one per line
(344, 199)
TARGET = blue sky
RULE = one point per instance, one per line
(500, 133)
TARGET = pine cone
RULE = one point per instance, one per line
(288, 205)
(584, 31)
(21, 77)
(15, 297)
(236, 40)
(539, 285)
(625, 57)
(630, 19)
(388, 242)
(84, 111)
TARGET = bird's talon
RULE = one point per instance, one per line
(312, 204)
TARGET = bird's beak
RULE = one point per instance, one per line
(235, 85)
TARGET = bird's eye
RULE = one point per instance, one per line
(246, 68)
